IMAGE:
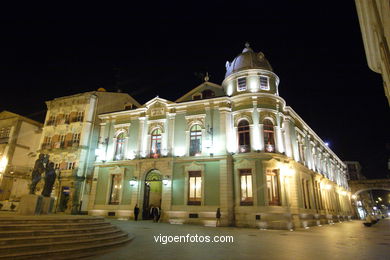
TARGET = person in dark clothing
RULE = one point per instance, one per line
(136, 212)
(158, 209)
(218, 215)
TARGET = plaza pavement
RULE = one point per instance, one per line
(346, 240)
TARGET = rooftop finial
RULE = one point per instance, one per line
(247, 47)
(206, 78)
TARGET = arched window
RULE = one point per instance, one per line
(244, 143)
(120, 146)
(195, 140)
(155, 145)
(269, 140)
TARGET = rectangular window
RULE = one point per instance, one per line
(80, 116)
(246, 187)
(194, 188)
(264, 83)
(241, 84)
(116, 188)
(70, 165)
(306, 197)
(273, 189)
(76, 139)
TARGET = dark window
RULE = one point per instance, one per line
(243, 136)
(241, 84)
(195, 140)
(264, 84)
(208, 93)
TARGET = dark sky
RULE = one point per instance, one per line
(316, 50)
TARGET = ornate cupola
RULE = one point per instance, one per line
(250, 72)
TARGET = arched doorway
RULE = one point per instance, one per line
(152, 192)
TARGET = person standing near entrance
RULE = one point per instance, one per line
(158, 209)
(218, 216)
(136, 212)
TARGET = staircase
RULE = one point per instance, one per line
(57, 237)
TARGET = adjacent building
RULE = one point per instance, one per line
(235, 146)
(70, 137)
(354, 171)
(19, 142)
(374, 18)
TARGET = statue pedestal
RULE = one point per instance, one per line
(47, 205)
(30, 204)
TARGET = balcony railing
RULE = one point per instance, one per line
(244, 148)
(73, 143)
(46, 146)
(270, 148)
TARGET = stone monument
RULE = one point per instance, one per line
(32, 204)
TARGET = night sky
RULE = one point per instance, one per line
(316, 50)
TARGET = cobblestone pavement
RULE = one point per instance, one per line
(347, 240)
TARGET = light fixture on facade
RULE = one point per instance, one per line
(166, 180)
(3, 164)
(354, 197)
(133, 181)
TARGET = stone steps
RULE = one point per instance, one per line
(4, 227)
(69, 253)
(57, 237)
(17, 233)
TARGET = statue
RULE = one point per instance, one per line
(39, 168)
(50, 178)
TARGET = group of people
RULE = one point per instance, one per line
(154, 212)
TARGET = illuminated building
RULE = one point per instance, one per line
(69, 137)
(235, 146)
(374, 19)
(19, 141)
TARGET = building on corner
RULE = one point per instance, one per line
(235, 146)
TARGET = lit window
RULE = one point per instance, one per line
(269, 141)
(264, 83)
(246, 187)
(195, 140)
(241, 84)
(243, 136)
(120, 146)
(273, 187)
(194, 188)
(155, 143)
(116, 188)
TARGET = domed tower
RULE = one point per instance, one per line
(250, 72)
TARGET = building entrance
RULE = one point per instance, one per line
(152, 193)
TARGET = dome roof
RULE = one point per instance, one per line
(248, 59)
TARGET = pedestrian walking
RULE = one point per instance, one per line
(218, 216)
(136, 212)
